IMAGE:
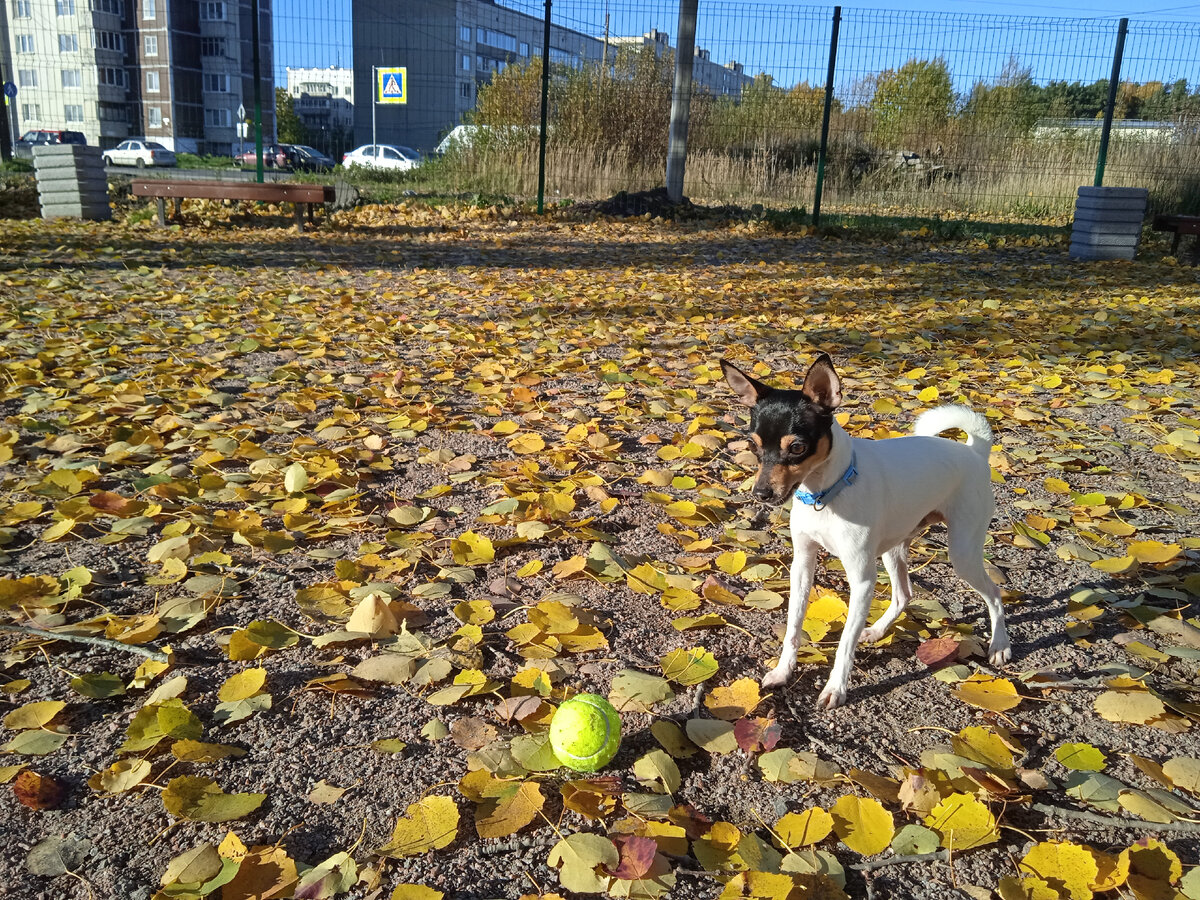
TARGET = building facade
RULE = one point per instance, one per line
(451, 47)
(172, 71)
(322, 98)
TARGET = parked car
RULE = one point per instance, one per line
(383, 156)
(275, 156)
(309, 159)
(140, 153)
(23, 148)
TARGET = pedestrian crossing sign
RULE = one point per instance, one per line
(391, 85)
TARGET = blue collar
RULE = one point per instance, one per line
(822, 499)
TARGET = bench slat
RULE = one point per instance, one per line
(235, 190)
(1177, 224)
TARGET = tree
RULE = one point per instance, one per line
(290, 127)
(913, 103)
(1013, 104)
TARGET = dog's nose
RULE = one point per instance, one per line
(763, 492)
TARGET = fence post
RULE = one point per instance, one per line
(833, 44)
(681, 99)
(545, 111)
(257, 62)
(1114, 82)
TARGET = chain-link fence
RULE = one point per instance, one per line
(929, 114)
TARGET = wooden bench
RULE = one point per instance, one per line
(1180, 225)
(300, 195)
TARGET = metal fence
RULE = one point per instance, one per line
(929, 114)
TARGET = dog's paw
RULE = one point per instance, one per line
(871, 635)
(832, 697)
(998, 656)
(776, 678)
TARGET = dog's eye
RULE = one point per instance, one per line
(797, 448)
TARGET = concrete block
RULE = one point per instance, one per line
(1085, 252)
(1114, 193)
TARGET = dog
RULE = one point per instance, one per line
(863, 499)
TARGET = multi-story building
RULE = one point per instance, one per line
(451, 47)
(174, 71)
(322, 98)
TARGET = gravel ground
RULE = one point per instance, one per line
(460, 319)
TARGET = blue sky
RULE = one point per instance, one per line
(790, 40)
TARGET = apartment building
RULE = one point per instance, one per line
(451, 47)
(173, 71)
(322, 98)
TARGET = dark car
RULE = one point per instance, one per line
(309, 159)
(275, 156)
(40, 137)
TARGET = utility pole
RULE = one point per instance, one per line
(681, 99)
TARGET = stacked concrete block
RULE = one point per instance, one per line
(1108, 222)
(71, 182)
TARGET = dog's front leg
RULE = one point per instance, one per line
(804, 564)
(862, 573)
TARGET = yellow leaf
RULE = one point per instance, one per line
(530, 568)
(1117, 565)
(415, 892)
(1136, 707)
(528, 442)
(963, 822)
(34, 715)
(1154, 552)
(1056, 486)
(986, 692)
(803, 829)
(734, 701)
(373, 616)
(428, 824)
(1184, 772)
(863, 824)
(244, 684)
(471, 549)
(885, 407)
(508, 807)
(731, 562)
(1066, 864)
(506, 426)
(689, 667)
(928, 395)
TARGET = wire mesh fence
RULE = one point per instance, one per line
(952, 115)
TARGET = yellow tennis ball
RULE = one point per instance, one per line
(585, 733)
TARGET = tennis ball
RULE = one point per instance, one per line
(585, 733)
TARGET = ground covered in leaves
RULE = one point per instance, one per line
(347, 514)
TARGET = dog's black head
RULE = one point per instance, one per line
(790, 430)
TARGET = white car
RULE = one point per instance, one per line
(383, 156)
(139, 153)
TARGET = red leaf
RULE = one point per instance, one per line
(637, 858)
(757, 733)
(518, 707)
(691, 820)
(938, 652)
(37, 791)
(108, 501)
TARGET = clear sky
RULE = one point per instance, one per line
(789, 39)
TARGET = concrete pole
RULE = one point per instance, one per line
(681, 99)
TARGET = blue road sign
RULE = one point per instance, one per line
(10, 89)
(391, 85)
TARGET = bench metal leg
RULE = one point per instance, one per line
(162, 211)
(1175, 243)
(299, 209)
(178, 208)
(311, 220)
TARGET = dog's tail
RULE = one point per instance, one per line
(942, 418)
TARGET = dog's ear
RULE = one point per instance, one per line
(822, 385)
(748, 390)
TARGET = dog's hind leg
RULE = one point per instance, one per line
(895, 561)
(966, 555)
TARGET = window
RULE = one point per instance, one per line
(113, 112)
(27, 77)
(31, 111)
(464, 34)
(73, 112)
(149, 9)
(465, 89)
(152, 82)
(72, 78)
(216, 83)
(211, 11)
(212, 46)
(497, 39)
(108, 6)
(24, 43)
(154, 117)
(347, 91)
(68, 43)
(466, 62)
(479, 63)
(64, 7)
(151, 45)
(524, 49)
(112, 75)
(110, 40)
(22, 10)
(218, 118)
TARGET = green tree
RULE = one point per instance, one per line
(912, 105)
(1013, 104)
(289, 126)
